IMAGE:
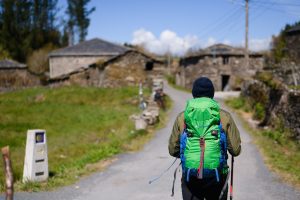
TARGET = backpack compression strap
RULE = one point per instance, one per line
(202, 147)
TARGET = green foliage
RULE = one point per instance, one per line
(268, 78)
(259, 111)
(171, 79)
(236, 103)
(3, 53)
(274, 135)
(294, 87)
(279, 43)
(241, 103)
(281, 153)
(32, 25)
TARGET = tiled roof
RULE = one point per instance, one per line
(294, 29)
(11, 64)
(94, 47)
(222, 49)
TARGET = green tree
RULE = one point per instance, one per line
(44, 30)
(15, 28)
(279, 43)
(83, 21)
(71, 23)
(28, 25)
(78, 14)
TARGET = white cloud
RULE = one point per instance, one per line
(259, 44)
(168, 41)
(210, 41)
(142, 36)
(226, 42)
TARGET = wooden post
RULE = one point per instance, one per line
(9, 180)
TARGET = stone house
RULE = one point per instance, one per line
(14, 75)
(293, 43)
(129, 68)
(223, 64)
(288, 69)
(67, 60)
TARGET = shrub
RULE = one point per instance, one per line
(259, 111)
(171, 79)
(38, 61)
(3, 53)
(236, 103)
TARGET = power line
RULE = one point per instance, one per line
(232, 27)
(275, 3)
(273, 8)
(228, 24)
(262, 11)
(220, 23)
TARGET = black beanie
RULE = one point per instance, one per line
(203, 87)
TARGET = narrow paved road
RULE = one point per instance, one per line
(128, 177)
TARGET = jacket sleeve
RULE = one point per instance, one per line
(232, 132)
(174, 140)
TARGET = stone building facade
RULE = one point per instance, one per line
(293, 44)
(127, 69)
(223, 64)
(288, 69)
(14, 75)
(73, 58)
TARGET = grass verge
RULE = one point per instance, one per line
(84, 126)
(280, 152)
(172, 82)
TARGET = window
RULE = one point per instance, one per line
(225, 60)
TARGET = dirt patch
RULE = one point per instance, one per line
(100, 166)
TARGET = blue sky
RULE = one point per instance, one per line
(177, 25)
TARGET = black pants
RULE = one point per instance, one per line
(198, 189)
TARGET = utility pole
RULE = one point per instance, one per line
(246, 35)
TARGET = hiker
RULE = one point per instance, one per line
(159, 98)
(201, 136)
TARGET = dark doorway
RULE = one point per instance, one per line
(149, 66)
(225, 81)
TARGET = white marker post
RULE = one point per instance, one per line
(36, 157)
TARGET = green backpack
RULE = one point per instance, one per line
(203, 149)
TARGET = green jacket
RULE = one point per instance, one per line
(233, 134)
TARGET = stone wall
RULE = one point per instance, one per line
(216, 68)
(293, 46)
(125, 70)
(282, 105)
(11, 79)
(288, 72)
(63, 65)
(91, 76)
(130, 69)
